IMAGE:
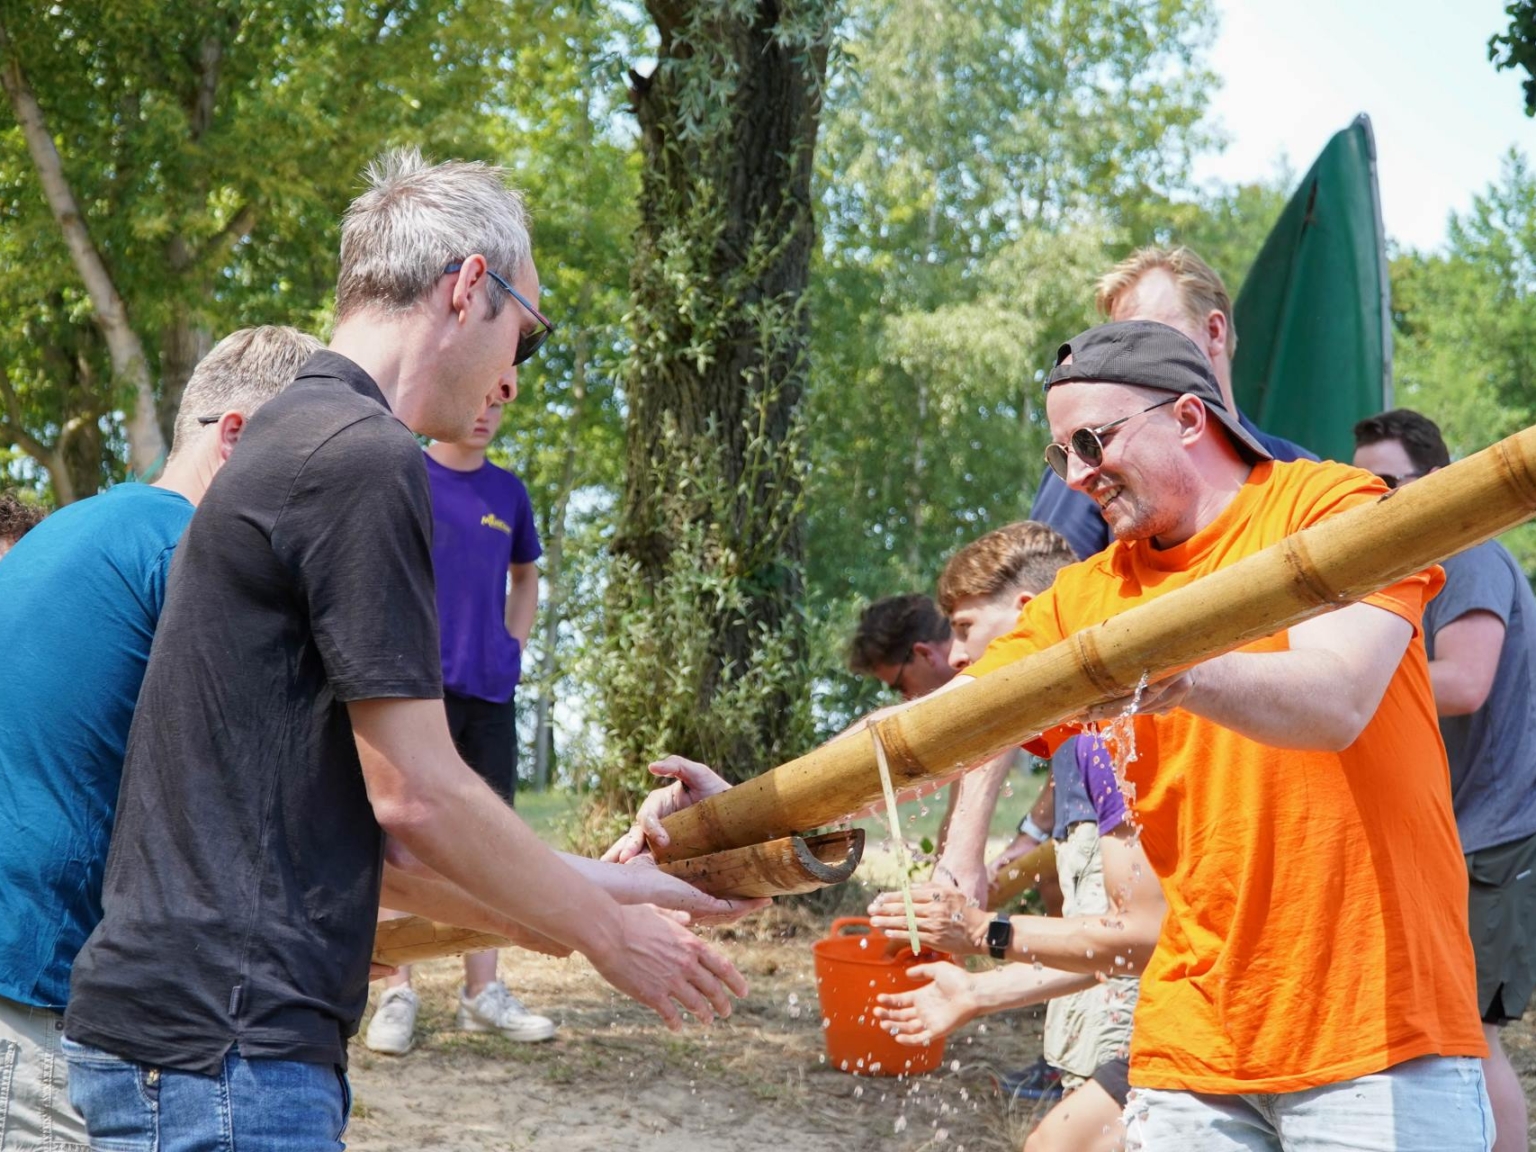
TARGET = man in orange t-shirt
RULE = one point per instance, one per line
(1313, 986)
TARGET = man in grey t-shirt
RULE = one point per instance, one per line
(1481, 637)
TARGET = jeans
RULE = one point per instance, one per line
(252, 1105)
(1433, 1104)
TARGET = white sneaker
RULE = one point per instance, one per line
(497, 1010)
(392, 1030)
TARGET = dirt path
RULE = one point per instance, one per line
(615, 1079)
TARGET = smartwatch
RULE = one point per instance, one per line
(999, 936)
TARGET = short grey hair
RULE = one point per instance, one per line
(415, 219)
(242, 372)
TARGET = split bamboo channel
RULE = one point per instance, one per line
(1331, 564)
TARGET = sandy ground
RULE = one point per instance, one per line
(614, 1078)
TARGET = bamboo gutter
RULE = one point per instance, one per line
(1331, 564)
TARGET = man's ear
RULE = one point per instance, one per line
(1023, 598)
(231, 426)
(1217, 333)
(1192, 417)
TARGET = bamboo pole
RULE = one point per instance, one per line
(1339, 561)
(783, 867)
(1024, 873)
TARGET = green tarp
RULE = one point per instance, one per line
(1314, 334)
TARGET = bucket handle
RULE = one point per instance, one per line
(844, 922)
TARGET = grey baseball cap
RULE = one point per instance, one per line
(1149, 355)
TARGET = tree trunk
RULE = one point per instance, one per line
(146, 447)
(555, 575)
(183, 342)
(704, 618)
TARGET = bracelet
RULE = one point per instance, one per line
(1028, 827)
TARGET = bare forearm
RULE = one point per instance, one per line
(437, 899)
(1295, 699)
(1021, 985)
(1115, 944)
(522, 602)
(965, 848)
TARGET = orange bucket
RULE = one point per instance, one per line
(851, 970)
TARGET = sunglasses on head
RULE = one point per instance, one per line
(1087, 444)
(527, 342)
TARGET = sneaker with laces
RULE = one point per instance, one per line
(392, 1030)
(497, 1010)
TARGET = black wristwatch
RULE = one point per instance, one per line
(999, 936)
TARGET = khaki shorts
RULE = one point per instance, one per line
(35, 1113)
(1092, 1027)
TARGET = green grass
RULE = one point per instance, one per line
(547, 813)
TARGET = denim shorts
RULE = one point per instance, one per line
(252, 1105)
(1434, 1104)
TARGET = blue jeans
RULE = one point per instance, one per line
(252, 1105)
(1433, 1104)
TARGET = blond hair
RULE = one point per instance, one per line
(1020, 557)
(1200, 288)
(417, 218)
(242, 372)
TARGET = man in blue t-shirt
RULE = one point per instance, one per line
(1177, 288)
(484, 548)
(80, 596)
(1480, 633)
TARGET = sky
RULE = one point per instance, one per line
(1295, 71)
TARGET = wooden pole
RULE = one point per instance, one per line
(1026, 872)
(1339, 561)
(781, 867)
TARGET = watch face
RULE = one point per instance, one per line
(999, 933)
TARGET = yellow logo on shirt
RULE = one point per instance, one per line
(489, 520)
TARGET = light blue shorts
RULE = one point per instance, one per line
(1435, 1104)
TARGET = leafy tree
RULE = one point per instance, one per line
(209, 150)
(1515, 47)
(1465, 324)
(705, 637)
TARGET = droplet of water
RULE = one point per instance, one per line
(901, 1124)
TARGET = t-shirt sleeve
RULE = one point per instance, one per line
(525, 533)
(1475, 581)
(1339, 488)
(356, 535)
(1098, 774)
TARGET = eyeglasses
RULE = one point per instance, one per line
(207, 420)
(1397, 481)
(527, 342)
(1087, 444)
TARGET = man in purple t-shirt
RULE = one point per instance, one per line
(484, 544)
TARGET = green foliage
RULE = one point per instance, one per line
(704, 637)
(982, 165)
(212, 148)
(1515, 47)
(1465, 324)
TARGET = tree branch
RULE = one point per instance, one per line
(129, 364)
(16, 430)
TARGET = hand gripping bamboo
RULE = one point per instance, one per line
(1330, 564)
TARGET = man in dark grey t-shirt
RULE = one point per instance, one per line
(291, 716)
(1480, 633)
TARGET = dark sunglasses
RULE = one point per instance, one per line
(1392, 481)
(1087, 444)
(527, 342)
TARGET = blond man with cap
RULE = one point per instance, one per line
(1313, 985)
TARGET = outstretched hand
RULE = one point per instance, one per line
(661, 964)
(932, 1011)
(692, 782)
(669, 891)
(945, 917)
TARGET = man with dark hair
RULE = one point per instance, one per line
(1480, 633)
(902, 641)
(17, 518)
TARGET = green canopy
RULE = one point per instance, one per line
(1314, 347)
